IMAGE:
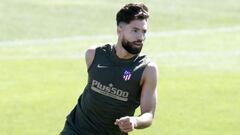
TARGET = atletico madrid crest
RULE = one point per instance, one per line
(127, 74)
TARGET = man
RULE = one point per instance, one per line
(119, 80)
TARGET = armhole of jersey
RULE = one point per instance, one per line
(94, 57)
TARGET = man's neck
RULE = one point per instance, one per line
(122, 53)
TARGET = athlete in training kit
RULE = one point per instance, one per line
(119, 80)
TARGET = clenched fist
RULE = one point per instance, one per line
(126, 124)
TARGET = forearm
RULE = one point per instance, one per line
(143, 121)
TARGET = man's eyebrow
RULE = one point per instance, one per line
(136, 28)
(139, 28)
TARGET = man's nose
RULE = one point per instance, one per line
(141, 36)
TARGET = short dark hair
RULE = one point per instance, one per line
(132, 12)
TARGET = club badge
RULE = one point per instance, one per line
(127, 74)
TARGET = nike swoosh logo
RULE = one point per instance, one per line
(101, 66)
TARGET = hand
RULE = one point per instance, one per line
(126, 124)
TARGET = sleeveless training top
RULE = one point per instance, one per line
(113, 91)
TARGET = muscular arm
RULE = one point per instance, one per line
(147, 103)
(148, 97)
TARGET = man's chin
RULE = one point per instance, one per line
(137, 47)
(135, 51)
(132, 48)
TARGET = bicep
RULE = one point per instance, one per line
(149, 89)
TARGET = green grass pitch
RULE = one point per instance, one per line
(195, 44)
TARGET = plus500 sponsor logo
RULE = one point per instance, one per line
(109, 91)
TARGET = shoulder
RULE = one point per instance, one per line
(150, 72)
(151, 67)
(89, 55)
(91, 52)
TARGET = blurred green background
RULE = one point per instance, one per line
(195, 44)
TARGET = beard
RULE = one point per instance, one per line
(130, 46)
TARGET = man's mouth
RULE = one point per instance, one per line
(137, 43)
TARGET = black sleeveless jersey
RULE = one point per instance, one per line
(113, 91)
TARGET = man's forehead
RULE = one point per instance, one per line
(140, 24)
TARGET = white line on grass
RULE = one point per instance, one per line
(20, 42)
(223, 60)
(171, 54)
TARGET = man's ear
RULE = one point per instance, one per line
(120, 27)
(118, 30)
